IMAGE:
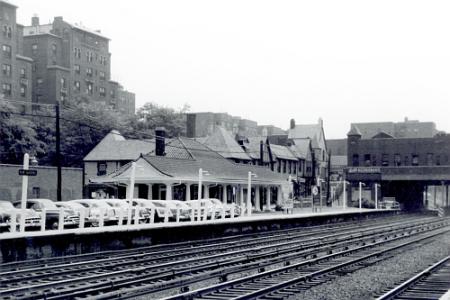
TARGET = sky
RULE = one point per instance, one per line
(270, 61)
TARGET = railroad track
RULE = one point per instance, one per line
(286, 282)
(432, 283)
(212, 243)
(162, 276)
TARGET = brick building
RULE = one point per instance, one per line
(15, 73)
(203, 124)
(43, 185)
(72, 63)
(406, 168)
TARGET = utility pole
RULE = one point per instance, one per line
(58, 154)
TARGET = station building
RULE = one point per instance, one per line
(168, 168)
(413, 170)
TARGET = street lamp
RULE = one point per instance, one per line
(200, 179)
(360, 195)
(376, 195)
(249, 193)
(344, 195)
(319, 183)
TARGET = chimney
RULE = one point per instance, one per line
(35, 20)
(160, 147)
(292, 123)
(320, 122)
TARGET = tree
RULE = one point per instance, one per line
(17, 135)
(152, 115)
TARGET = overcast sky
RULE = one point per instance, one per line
(270, 61)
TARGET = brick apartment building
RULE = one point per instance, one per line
(72, 63)
(15, 75)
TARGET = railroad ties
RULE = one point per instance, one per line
(432, 283)
(270, 265)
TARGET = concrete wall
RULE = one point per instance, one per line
(45, 181)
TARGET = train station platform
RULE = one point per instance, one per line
(50, 243)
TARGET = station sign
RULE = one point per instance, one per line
(364, 170)
(23, 172)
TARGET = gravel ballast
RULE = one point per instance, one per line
(372, 281)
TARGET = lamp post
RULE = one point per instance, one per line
(344, 194)
(360, 195)
(130, 192)
(319, 183)
(200, 179)
(249, 193)
(376, 195)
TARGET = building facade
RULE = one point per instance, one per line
(72, 64)
(15, 76)
(403, 168)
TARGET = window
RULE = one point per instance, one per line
(36, 192)
(7, 31)
(63, 83)
(397, 160)
(406, 160)
(429, 159)
(6, 70)
(39, 81)
(102, 91)
(89, 88)
(438, 160)
(89, 71)
(77, 86)
(6, 51)
(77, 69)
(284, 166)
(23, 73)
(101, 168)
(355, 160)
(6, 88)
(34, 49)
(63, 96)
(54, 49)
(77, 52)
(290, 167)
(374, 160)
(103, 60)
(415, 160)
(23, 90)
(102, 75)
(279, 166)
(385, 160)
(112, 93)
(367, 159)
(89, 56)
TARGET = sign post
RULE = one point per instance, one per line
(26, 164)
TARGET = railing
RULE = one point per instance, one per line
(137, 216)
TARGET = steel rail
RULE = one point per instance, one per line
(137, 282)
(19, 276)
(189, 269)
(202, 293)
(399, 290)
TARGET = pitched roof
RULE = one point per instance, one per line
(282, 152)
(302, 148)
(383, 135)
(223, 142)
(114, 147)
(337, 146)
(253, 146)
(166, 168)
(354, 130)
(314, 132)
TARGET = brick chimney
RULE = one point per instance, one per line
(35, 20)
(292, 124)
(160, 147)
